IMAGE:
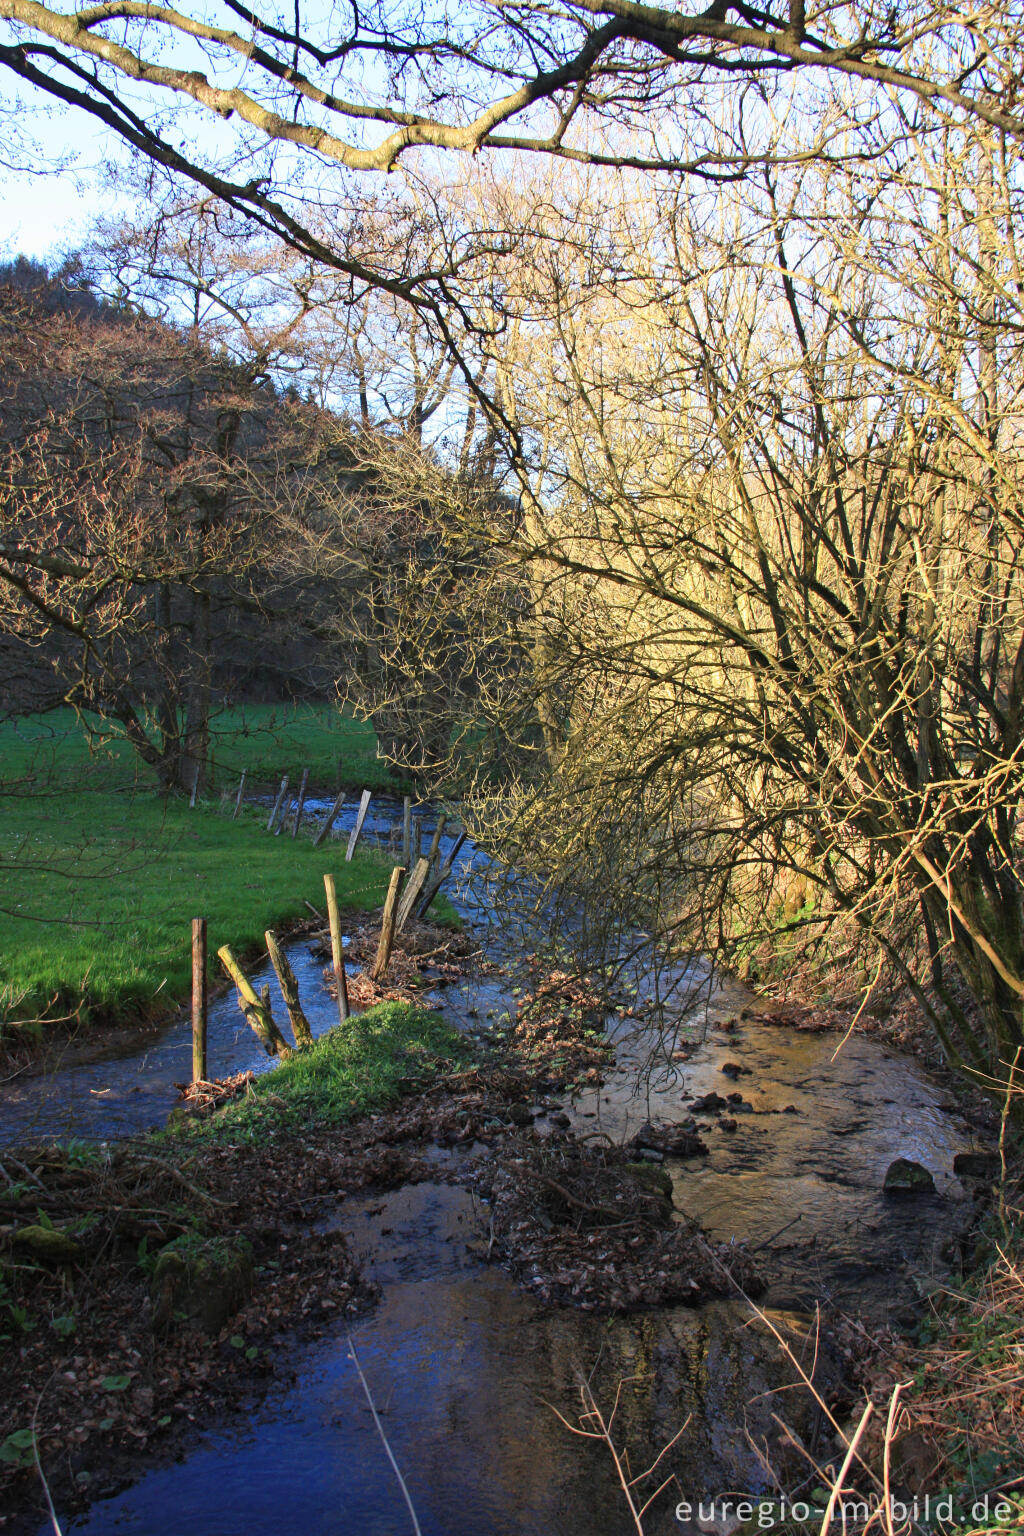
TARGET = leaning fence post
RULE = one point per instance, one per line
(364, 806)
(289, 990)
(435, 841)
(238, 797)
(301, 802)
(256, 1009)
(277, 803)
(439, 879)
(337, 954)
(199, 999)
(329, 823)
(407, 830)
(387, 927)
(412, 890)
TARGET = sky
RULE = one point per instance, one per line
(46, 210)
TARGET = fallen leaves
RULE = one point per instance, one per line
(578, 1225)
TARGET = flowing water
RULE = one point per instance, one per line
(466, 1370)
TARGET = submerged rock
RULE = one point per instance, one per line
(667, 1141)
(905, 1177)
(709, 1104)
(655, 1178)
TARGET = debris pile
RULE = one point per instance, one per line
(581, 1226)
(420, 946)
(472, 1106)
(559, 1028)
(201, 1098)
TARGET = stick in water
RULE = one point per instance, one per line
(384, 1440)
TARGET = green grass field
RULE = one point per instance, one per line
(100, 877)
(267, 740)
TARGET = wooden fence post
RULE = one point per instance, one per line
(337, 952)
(301, 802)
(329, 823)
(195, 789)
(238, 797)
(256, 1009)
(364, 806)
(435, 841)
(289, 990)
(387, 927)
(407, 831)
(434, 885)
(199, 999)
(277, 803)
(410, 894)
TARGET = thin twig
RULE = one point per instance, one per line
(384, 1438)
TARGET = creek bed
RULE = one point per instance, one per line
(466, 1369)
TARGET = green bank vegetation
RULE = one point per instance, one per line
(57, 749)
(354, 1069)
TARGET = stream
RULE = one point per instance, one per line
(465, 1369)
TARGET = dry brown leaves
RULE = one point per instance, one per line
(965, 1407)
(560, 1026)
(579, 1226)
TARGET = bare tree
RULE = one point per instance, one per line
(128, 518)
(767, 566)
(706, 92)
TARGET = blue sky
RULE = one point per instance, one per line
(47, 209)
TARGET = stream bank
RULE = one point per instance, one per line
(465, 1353)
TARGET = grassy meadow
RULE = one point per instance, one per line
(267, 740)
(100, 876)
